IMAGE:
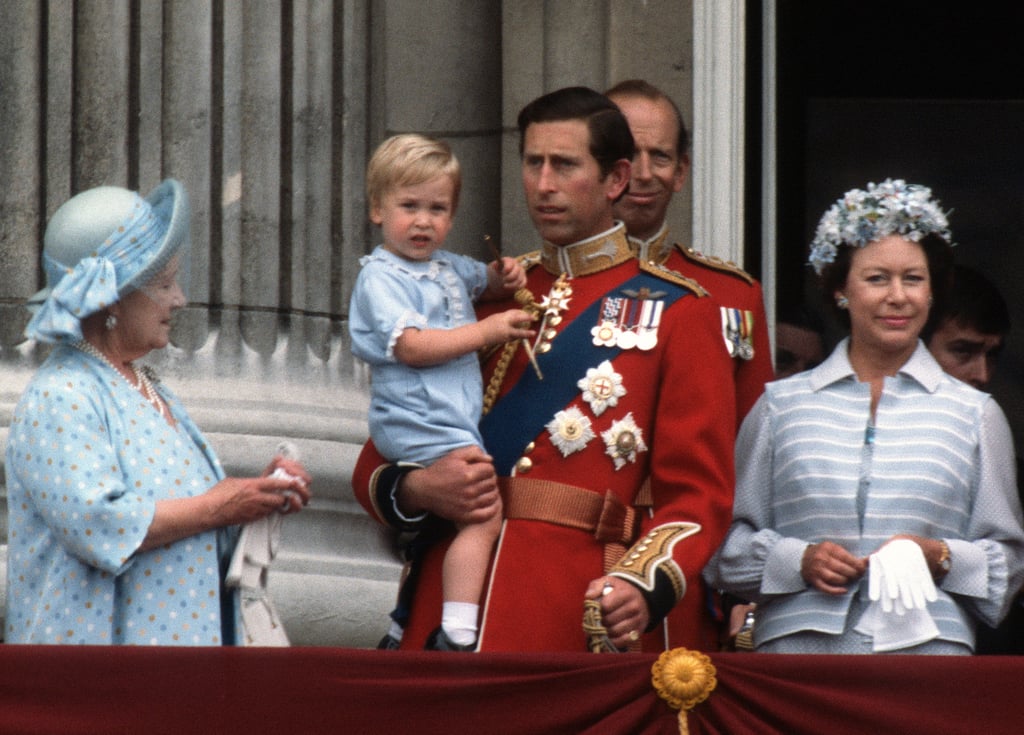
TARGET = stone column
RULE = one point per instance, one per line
(267, 112)
(549, 44)
(452, 90)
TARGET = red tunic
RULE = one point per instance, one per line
(677, 415)
(731, 288)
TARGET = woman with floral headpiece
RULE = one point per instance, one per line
(121, 519)
(876, 508)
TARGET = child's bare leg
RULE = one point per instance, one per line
(467, 560)
(464, 576)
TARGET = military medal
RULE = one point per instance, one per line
(608, 328)
(552, 305)
(602, 387)
(747, 344)
(626, 339)
(557, 299)
(629, 323)
(730, 344)
(650, 318)
(623, 441)
(738, 332)
(570, 431)
(604, 334)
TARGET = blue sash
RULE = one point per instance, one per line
(521, 414)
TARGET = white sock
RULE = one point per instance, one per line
(458, 620)
(396, 631)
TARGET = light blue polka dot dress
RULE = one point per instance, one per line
(87, 459)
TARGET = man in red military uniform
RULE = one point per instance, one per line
(660, 168)
(613, 452)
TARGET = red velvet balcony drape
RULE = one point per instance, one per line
(70, 690)
(94, 690)
(863, 695)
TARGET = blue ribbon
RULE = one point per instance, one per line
(519, 416)
(87, 288)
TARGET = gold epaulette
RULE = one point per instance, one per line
(672, 276)
(714, 263)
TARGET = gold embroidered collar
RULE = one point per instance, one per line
(588, 256)
(654, 250)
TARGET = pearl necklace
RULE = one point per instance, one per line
(145, 383)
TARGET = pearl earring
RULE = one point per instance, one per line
(110, 323)
(842, 302)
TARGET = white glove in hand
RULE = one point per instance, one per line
(900, 587)
(904, 582)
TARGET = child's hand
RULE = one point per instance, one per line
(506, 326)
(507, 275)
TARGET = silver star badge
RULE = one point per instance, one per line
(602, 388)
(570, 431)
(623, 441)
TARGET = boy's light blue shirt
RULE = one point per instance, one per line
(417, 414)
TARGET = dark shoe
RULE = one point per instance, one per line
(439, 641)
(389, 643)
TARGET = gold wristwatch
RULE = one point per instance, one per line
(945, 560)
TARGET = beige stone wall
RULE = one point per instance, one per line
(561, 43)
(268, 120)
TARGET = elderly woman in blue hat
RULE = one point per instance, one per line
(121, 520)
(876, 509)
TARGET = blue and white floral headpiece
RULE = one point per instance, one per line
(862, 216)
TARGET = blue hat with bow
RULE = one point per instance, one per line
(100, 245)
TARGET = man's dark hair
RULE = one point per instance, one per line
(973, 301)
(610, 139)
(645, 90)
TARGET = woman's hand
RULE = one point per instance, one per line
(461, 487)
(623, 609)
(291, 467)
(830, 568)
(232, 501)
(238, 500)
(286, 466)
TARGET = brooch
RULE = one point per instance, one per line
(570, 431)
(551, 307)
(602, 387)
(623, 441)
